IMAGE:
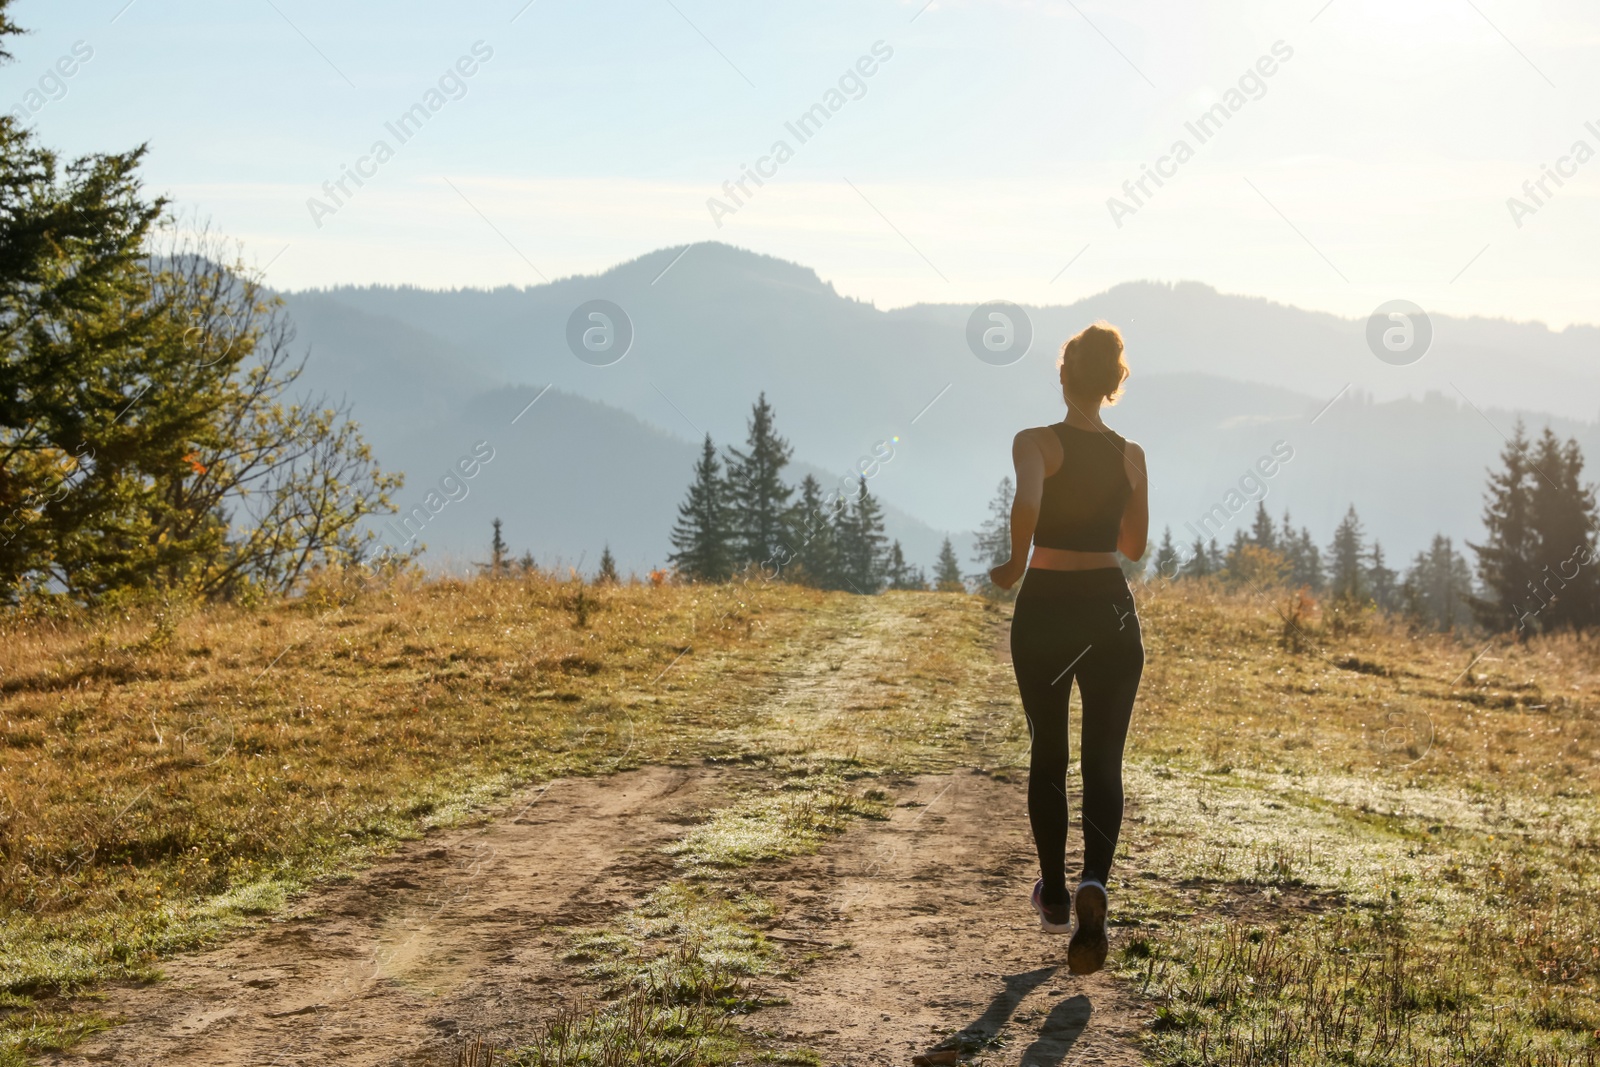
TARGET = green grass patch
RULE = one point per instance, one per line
(796, 820)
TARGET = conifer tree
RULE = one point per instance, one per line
(1286, 533)
(1200, 563)
(901, 575)
(1262, 534)
(1167, 561)
(758, 500)
(1505, 559)
(1381, 580)
(499, 565)
(947, 571)
(1293, 553)
(812, 556)
(1437, 588)
(700, 538)
(1561, 510)
(861, 539)
(993, 544)
(1347, 577)
(1234, 564)
(1306, 569)
(608, 568)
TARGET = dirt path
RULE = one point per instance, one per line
(451, 935)
(941, 942)
(456, 935)
(902, 935)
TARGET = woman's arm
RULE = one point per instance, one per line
(1134, 534)
(1029, 464)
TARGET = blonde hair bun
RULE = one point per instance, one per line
(1093, 363)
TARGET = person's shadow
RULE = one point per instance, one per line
(1057, 1034)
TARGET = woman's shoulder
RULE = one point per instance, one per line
(1038, 436)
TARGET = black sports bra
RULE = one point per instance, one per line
(1082, 505)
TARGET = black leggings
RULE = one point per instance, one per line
(1076, 624)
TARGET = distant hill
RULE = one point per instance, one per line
(1218, 380)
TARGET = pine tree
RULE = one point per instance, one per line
(1505, 559)
(1234, 565)
(1200, 562)
(1262, 535)
(1382, 581)
(1347, 578)
(608, 568)
(861, 540)
(1292, 551)
(1306, 569)
(1437, 588)
(812, 541)
(1167, 561)
(499, 565)
(993, 544)
(1214, 558)
(947, 571)
(526, 566)
(700, 537)
(1561, 510)
(1286, 533)
(758, 501)
(901, 575)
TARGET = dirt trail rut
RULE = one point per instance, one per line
(941, 941)
(451, 935)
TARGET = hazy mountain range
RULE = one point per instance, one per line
(605, 454)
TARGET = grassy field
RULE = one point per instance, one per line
(168, 775)
(1381, 849)
(1347, 844)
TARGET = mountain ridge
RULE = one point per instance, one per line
(1214, 376)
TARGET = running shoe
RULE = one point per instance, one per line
(1053, 918)
(1086, 952)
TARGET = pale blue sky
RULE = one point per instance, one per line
(976, 164)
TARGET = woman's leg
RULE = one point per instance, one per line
(1107, 684)
(1041, 659)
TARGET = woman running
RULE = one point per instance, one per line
(1081, 496)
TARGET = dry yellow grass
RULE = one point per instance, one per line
(154, 763)
(1370, 697)
(166, 773)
